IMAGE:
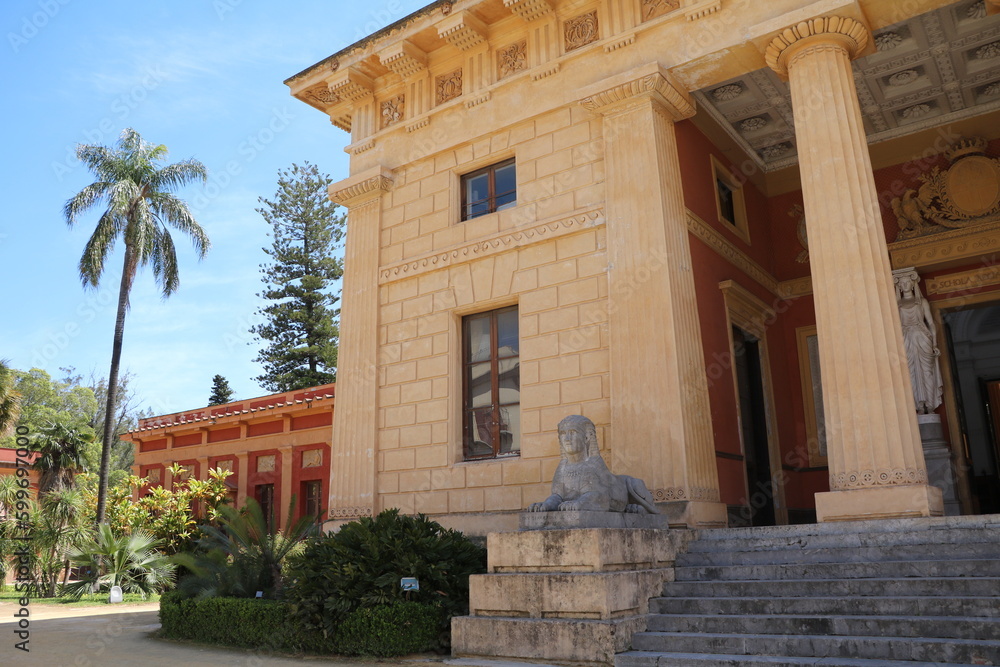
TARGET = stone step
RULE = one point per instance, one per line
(651, 659)
(804, 588)
(960, 651)
(979, 607)
(899, 569)
(847, 554)
(946, 536)
(949, 627)
(989, 522)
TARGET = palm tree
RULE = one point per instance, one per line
(60, 456)
(130, 561)
(10, 404)
(136, 193)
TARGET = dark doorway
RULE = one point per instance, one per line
(753, 428)
(974, 347)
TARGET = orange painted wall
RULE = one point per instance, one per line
(285, 425)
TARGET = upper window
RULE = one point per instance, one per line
(488, 190)
(492, 381)
(729, 200)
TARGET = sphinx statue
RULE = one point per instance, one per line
(583, 482)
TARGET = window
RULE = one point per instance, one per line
(265, 497)
(729, 200)
(488, 190)
(492, 384)
(312, 498)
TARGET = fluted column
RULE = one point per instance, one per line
(877, 467)
(355, 411)
(661, 428)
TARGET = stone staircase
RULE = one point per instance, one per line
(901, 592)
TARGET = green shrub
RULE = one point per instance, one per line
(389, 630)
(361, 565)
(248, 623)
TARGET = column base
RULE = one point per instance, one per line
(695, 514)
(884, 502)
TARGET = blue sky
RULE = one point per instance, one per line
(203, 77)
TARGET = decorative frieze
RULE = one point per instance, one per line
(861, 479)
(581, 30)
(463, 30)
(652, 9)
(529, 10)
(393, 110)
(544, 71)
(322, 95)
(673, 494)
(491, 246)
(404, 59)
(417, 124)
(720, 244)
(448, 86)
(965, 280)
(345, 513)
(949, 246)
(512, 59)
(619, 42)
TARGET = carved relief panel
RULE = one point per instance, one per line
(392, 110)
(653, 8)
(511, 59)
(448, 86)
(964, 195)
(581, 31)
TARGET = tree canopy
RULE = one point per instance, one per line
(221, 391)
(136, 193)
(299, 327)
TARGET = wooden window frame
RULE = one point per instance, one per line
(492, 197)
(495, 360)
(306, 498)
(739, 226)
(266, 509)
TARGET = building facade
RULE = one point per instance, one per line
(678, 218)
(276, 447)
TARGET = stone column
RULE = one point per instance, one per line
(877, 467)
(661, 428)
(355, 412)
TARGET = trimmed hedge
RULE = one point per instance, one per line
(382, 631)
(244, 622)
(389, 630)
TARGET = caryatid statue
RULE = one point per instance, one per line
(920, 341)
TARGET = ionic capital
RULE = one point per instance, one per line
(361, 188)
(651, 82)
(829, 31)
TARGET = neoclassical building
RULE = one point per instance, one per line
(679, 218)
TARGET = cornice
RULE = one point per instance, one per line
(493, 245)
(946, 247)
(650, 81)
(361, 188)
(720, 244)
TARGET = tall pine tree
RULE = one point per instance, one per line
(300, 328)
(221, 391)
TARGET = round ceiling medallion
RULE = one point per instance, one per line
(973, 185)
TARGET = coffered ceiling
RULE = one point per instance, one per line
(936, 68)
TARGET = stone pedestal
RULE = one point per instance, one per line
(575, 595)
(938, 457)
